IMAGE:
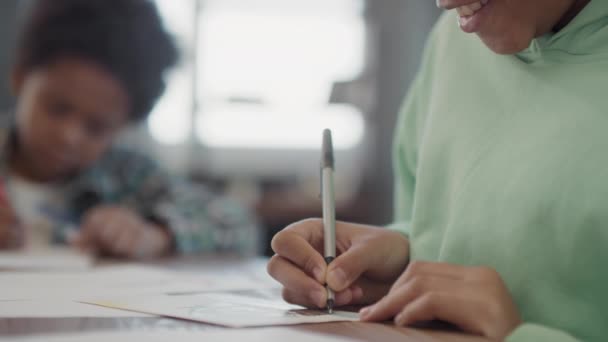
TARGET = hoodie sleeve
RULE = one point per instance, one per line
(408, 134)
(533, 332)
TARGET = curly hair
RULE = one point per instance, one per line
(126, 37)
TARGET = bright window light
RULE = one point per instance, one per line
(279, 54)
(265, 73)
(170, 120)
(271, 65)
(178, 18)
(258, 127)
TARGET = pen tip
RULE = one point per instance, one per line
(330, 306)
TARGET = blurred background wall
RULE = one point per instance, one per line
(8, 28)
(257, 83)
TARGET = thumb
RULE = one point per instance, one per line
(349, 266)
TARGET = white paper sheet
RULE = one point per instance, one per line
(56, 259)
(116, 281)
(53, 308)
(224, 335)
(233, 309)
(112, 280)
(55, 294)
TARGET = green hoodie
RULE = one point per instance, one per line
(503, 161)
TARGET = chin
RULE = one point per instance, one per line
(505, 45)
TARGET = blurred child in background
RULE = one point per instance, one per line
(84, 71)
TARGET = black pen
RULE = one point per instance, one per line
(329, 208)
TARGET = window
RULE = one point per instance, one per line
(258, 74)
(170, 121)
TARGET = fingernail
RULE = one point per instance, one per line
(438, 3)
(318, 297)
(366, 312)
(400, 319)
(318, 273)
(339, 277)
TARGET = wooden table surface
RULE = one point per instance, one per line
(358, 331)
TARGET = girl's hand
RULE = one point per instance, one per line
(472, 298)
(368, 260)
(121, 232)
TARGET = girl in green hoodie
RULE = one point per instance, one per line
(501, 218)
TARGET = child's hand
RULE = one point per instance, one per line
(368, 260)
(121, 232)
(11, 232)
(473, 298)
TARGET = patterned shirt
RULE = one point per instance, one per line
(199, 220)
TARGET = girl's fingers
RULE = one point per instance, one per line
(295, 243)
(436, 269)
(310, 293)
(401, 297)
(375, 253)
(343, 298)
(107, 234)
(456, 308)
(371, 291)
(125, 242)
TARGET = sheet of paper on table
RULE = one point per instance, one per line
(55, 294)
(121, 280)
(58, 308)
(250, 308)
(249, 335)
(53, 259)
(118, 280)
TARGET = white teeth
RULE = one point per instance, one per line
(470, 9)
(464, 11)
(475, 7)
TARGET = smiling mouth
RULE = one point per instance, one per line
(470, 16)
(470, 9)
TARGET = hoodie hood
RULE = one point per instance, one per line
(584, 39)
